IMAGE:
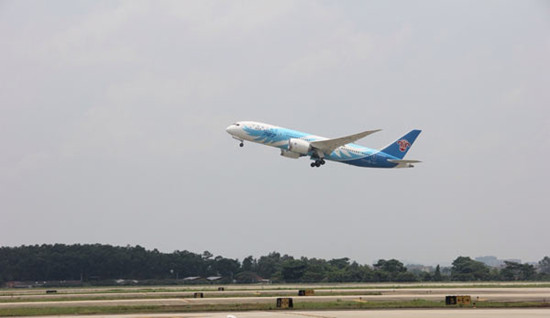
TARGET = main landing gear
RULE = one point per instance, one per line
(241, 144)
(318, 163)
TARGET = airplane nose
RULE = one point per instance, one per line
(231, 129)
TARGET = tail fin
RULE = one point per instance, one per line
(400, 147)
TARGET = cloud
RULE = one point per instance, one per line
(116, 111)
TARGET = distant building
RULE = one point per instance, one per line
(414, 268)
(126, 281)
(213, 278)
(37, 284)
(18, 284)
(250, 278)
(493, 261)
(195, 280)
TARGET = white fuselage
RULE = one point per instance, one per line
(279, 137)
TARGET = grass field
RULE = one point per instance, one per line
(245, 298)
(337, 305)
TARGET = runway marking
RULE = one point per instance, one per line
(360, 300)
(306, 315)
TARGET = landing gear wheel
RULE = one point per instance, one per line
(317, 163)
(241, 144)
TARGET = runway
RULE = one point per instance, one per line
(67, 294)
(417, 313)
(238, 297)
(250, 297)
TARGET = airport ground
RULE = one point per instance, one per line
(530, 299)
(405, 313)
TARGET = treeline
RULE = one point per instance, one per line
(101, 263)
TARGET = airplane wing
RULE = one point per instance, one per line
(327, 146)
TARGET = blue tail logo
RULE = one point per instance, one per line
(404, 144)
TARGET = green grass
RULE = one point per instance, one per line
(60, 297)
(293, 287)
(298, 305)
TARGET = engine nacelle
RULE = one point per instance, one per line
(299, 146)
(290, 154)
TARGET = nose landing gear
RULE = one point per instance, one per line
(241, 142)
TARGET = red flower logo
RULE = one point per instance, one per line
(403, 145)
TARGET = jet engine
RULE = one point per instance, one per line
(290, 154)
(299, 146)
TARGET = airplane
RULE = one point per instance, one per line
(295, 144)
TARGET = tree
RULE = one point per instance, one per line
(389, 270)
(466, 269)
(226, 267)
(98, 262)
(339, 263)
(269, 265)
(405, 277)
(437, 274)
(293, 270)
(426, 277)
(249, 264)
(359, 273)
(544, 265)
(316, 270)
(517, 271)
(391, 266)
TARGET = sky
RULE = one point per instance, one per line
(113, 117)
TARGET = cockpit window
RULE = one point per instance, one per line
(237, 124)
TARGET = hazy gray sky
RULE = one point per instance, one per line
(113, 116)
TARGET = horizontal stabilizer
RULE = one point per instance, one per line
(327, 146)
(403, 161)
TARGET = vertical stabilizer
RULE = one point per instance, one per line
(401, 146)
